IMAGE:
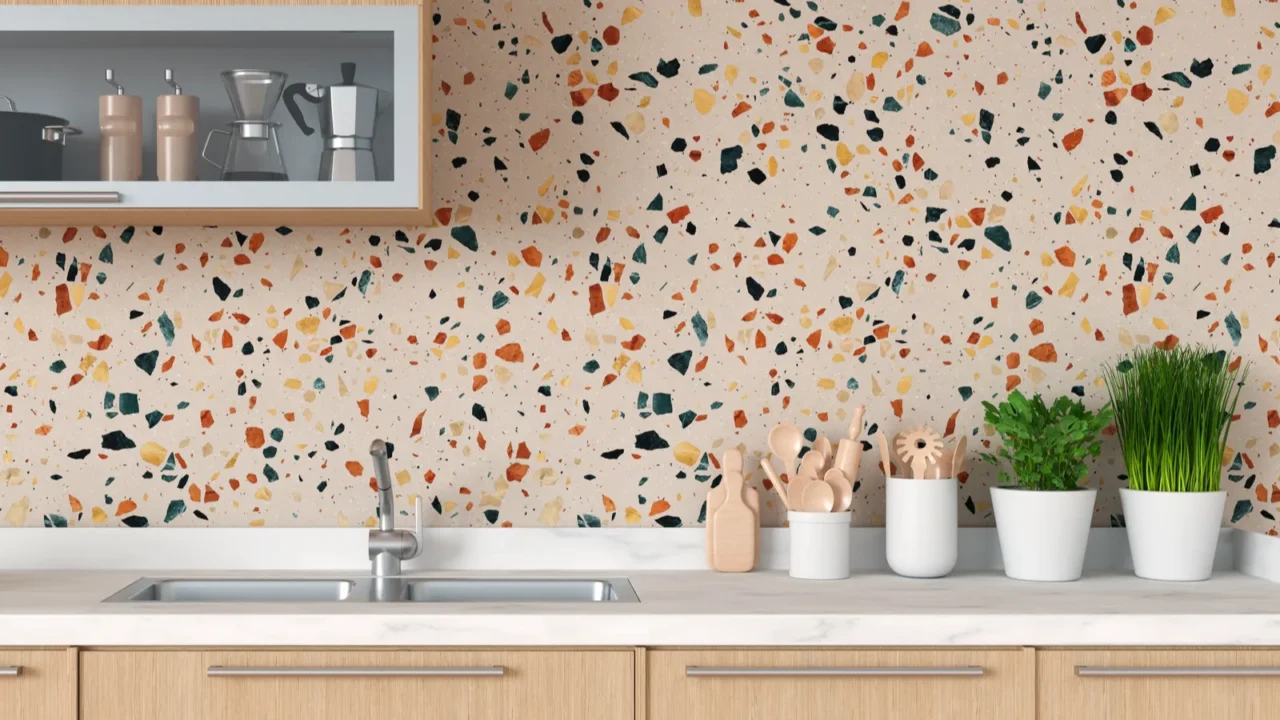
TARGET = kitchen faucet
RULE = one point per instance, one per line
(388, 546)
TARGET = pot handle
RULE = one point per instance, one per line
(204, 152)
(13, 106)
(58, 134)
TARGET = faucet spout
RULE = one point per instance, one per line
(386, 498)
(388, 546)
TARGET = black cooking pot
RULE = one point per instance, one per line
(31, 144)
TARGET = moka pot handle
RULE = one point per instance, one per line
(290, 101)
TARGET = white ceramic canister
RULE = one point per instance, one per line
(820, 544)
(921, 526)
(1044, 534)
(1173, 536)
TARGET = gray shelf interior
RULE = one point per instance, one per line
(61, 74)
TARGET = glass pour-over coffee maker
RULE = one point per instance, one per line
(253, 145)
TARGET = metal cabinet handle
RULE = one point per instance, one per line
(11, 671)
(382, 672)
(59, 197)
(966, 671)
(1085, 671)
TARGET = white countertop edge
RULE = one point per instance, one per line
(668, 630)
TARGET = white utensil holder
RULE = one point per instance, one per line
(921, 526)
(820, 545)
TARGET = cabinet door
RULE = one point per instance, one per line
(241, 157)
(1159, 684)
(841, 684)
(344, 684)
(38, 684)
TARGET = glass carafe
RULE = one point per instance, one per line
(253, 152)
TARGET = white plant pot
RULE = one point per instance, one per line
(819, 545)
(1173, 535)
(922, 526)
(1043, 534)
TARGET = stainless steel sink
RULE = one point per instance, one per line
(561, 590)
(248, 591)
(368, 590)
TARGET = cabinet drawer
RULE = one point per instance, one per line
(344, 684)
(1158, 684)
(841, 684)
(38, 684)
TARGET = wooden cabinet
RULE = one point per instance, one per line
(1158, 684)
(38, 684)
(344, 684)
(319, 116)
(840, 684)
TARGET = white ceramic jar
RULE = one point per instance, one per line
(820, 544)
(922, 526)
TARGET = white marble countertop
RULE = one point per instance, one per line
(676, 608)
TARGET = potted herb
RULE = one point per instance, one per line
(1173, 412)
(1043, 516)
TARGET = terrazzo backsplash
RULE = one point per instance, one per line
(663, 227)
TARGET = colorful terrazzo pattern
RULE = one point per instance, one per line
(663, 227)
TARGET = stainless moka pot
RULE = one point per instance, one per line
(348, 116)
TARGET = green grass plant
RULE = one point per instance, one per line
(1173, 412)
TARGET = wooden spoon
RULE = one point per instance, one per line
(886, 456)
(777, 484)
(957, 458)
(810, 471)
(843, 490)
(785, 441)
(819, 497)
(940, 467)
(822, 446)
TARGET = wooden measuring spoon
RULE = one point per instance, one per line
(841, 487)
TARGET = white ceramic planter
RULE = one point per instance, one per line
(1043, 534)
(1173, 535)
(819, 545)
(921, 526)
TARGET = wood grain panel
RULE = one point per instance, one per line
(1065, 696)
(538, 685)
(43, 689)
(1006, 690)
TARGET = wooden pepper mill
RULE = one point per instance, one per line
(176, 118)
(120, 125)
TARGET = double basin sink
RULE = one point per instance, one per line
(364, 590)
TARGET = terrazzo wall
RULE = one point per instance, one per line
(663, 227)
